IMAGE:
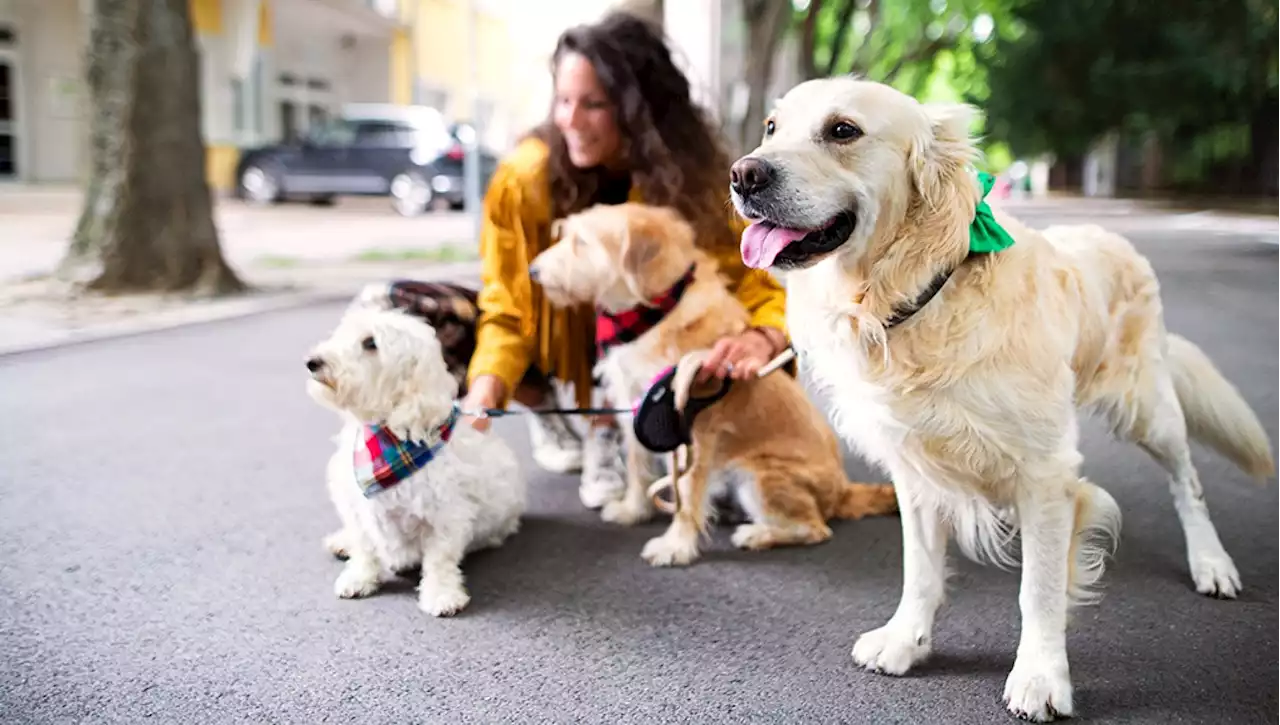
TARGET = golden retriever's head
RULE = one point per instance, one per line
(615, 256)
(842, 165)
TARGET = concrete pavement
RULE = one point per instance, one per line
(161, 510)
(35, 225)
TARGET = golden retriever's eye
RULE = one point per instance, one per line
(369, 343)
(844, 131)
(769, 128)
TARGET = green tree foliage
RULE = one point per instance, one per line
(895, 41)
(1060, 73)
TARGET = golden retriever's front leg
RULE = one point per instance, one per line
(634, 507)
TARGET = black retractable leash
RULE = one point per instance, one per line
(662, 419)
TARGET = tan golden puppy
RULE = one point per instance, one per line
(764, 442)
(864, 197)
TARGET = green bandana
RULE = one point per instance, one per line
(985, 235)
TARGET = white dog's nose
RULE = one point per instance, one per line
(314, 364)
(533, 273)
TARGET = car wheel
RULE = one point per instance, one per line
(410, 193)
(259, 185)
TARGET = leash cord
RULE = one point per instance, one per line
(501, 413)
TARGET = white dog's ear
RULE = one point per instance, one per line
(943, 152)
(557, 226)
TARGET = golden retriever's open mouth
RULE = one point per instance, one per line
(766, 244)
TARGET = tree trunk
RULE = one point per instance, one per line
(767, 21)
(147, 218)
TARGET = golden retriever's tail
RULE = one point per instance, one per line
(1094, 535)
(1216, 414)
(865, 499)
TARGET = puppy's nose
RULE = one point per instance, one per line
(533, 272)
(749, 175)
(314, 364)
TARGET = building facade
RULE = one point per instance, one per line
(270, 70)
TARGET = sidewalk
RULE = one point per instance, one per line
(292, 254)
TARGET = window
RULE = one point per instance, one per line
(288, 122)
(316, 116)
(384, 134)
(433, 97)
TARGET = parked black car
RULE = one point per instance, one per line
(408, 153)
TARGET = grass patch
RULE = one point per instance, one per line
(444, 253)
(278, 261)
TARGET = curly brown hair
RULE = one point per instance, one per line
(674, 152)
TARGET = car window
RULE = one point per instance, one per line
(333, 133)
(383, 134)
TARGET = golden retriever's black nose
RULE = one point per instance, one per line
(314, 364)
(749, 175)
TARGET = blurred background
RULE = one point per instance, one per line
(1099, 97)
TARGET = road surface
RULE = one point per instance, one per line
(161, 511)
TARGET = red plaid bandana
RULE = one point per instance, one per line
(623, 327)
(382, 460)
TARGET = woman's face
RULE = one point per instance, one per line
(584, 114)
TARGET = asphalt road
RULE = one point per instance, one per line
(161, 511)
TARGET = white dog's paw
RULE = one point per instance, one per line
(1038, 690)
(1215, 575)
(625, 513)
(670, 550)
(337, 543)
(892, 649)
(443, 601)
(355, 581)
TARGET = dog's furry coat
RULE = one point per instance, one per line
(971, 404)
(764, 443)
(382, 366)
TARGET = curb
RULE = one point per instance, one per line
(215, 311)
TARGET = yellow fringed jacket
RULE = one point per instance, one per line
(517, 327)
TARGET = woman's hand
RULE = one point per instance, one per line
(740, 356)
(484, 392)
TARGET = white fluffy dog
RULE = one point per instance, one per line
(962, 370)
(463, 492)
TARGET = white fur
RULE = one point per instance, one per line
(470, 496)
(971, 405)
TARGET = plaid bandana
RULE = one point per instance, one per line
(623, 327)
(382, 460)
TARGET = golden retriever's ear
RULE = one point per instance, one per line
(940, 155)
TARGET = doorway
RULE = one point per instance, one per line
(8, 114)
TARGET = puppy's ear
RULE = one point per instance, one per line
(640, 250)
(941, 154)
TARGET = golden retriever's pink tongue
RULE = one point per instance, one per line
(763, 242)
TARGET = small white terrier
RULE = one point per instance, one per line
(411, 486)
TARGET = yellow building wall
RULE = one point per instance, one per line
(207, 18)
(443, 57)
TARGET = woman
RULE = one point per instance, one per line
(623, 127)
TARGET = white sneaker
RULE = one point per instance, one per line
(604, 468)
(556, 447)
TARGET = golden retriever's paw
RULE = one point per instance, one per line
(1039, 691)
(355, 581)
(1216, 576)
(443, 601)
(625, 513)
(668, 550)
(336, 544)
(892, 649)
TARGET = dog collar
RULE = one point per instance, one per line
(382, 460)
(618, 328)
(986, 236)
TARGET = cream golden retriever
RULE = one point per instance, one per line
(862, 198)
(765, 444)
